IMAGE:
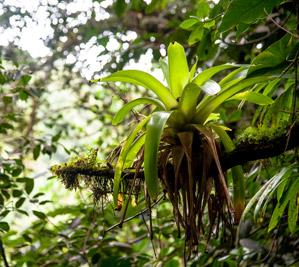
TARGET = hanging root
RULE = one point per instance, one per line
(197, 188)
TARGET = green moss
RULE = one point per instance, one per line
(87, 171)
(78, 162)
(262, 133)
(80, 169)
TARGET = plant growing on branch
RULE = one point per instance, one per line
(183, 133)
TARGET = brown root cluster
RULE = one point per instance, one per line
(196, 187)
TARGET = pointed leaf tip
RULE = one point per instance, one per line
(178, 68)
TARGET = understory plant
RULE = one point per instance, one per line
(178, 144)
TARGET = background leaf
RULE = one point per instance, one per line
(243, 11)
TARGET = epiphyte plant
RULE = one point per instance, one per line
(179, 140)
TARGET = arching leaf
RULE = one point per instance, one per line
(154, 131)
(193, 69)
(138, 77)
(204, 109)
(120, 115)
(202, 77)
(123, 155)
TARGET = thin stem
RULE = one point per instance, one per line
(2, 250)
(132, 188)
(283, 28)
(134, 216)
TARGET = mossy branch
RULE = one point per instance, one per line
(250, 150)
(99, 176)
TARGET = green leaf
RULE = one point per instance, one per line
(4, 226)
(213, 102)
(119, 7)
(154, 131)
(39, 214)
(189, 100)
(17, 171)
(120, 115)
(234, 75)
(27, 238)
(207, 49)
(45, 202)
(224, 137)
(177, 120)
(193, 69)
(36, 151)
(6, 125)
(56, 137)
(253, 97)
(134, 149)
(29, 185)
(23, 212)
(270, 186)
(188, 23)
(270, 189)
(4, 213)
(274, 57)
(23, 95)
(210, 87)
(3, 78)
(213, 117)
(172, 263)
(38, 195)
(271, 87)
(155, 6)
(209, 24)
(7, 100)
(178, 68)
(244, 11)
(205, 75)
(1, 201)
(196, 35)
(276, 215)
(16, 193)
(280, 189)
(122, 157)
(25, 79)
(146, 80)
(20, 202)
(293, 214)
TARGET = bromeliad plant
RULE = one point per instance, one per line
(179, 140)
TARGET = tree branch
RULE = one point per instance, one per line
(243, 153)
(246, 152)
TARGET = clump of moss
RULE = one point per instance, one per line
(88, 172)
(262, 133)
(83, 169)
